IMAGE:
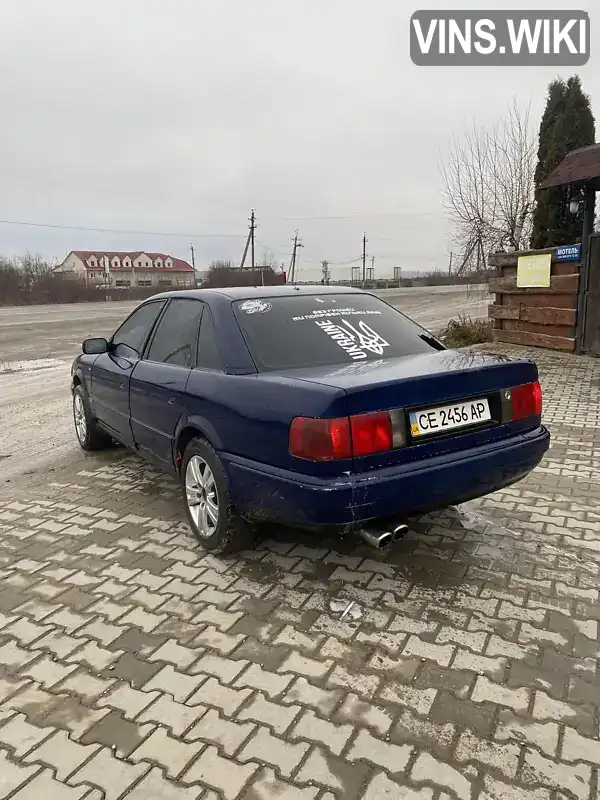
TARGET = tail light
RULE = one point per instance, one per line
(371, 433)
(320, 439)
(344, 437)
(526, 401)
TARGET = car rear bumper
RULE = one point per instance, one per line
(396, 491)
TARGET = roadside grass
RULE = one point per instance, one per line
(464, 332)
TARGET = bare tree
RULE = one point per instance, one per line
(488, 188)
(34, 269)
(10, 281)
(221, 264)
(28, 279)
(268, 259)
(513, 145)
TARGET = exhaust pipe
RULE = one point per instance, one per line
(384, 537)
(376, 539)
(399, 532)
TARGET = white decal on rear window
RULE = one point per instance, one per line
(354, 340)
(255, 306)
(318, 313)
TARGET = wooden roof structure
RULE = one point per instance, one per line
(578, 168)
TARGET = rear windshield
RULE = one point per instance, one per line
(318, 330)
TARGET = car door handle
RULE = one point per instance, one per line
(171, 401)
(122, 384)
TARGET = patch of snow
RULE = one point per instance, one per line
(30, 365)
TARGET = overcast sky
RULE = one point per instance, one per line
(178, 116)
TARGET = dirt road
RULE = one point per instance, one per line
(38, 343)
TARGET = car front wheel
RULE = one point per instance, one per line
(210, 512)
(89, 435)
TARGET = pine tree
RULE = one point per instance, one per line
(567, 123)
(555, 106)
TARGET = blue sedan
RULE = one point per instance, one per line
(319, 407)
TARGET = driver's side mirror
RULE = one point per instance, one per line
(94, 346)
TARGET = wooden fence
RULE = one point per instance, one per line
(543, 317)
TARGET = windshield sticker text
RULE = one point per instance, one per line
(356, 341)
(335, 312)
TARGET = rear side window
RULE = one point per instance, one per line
(175, 337)
(209, 356)
(318, 330)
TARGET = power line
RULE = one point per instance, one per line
(307, 260)
(117, 230)
(423, 258)
(403, 256)
(341, 263)
(329, 242)
(266, 246)
(215, 235)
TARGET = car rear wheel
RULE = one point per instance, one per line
(210, 512)
(89, 435)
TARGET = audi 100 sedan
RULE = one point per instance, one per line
(319, 407)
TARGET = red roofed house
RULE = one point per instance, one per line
(127, 270)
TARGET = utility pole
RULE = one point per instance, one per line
(193, 264)
(293, 258)
(450, 264)
(250, 241)
(252, 229)
(294, 261)
(364, 260)
(245, 251)
(106, 276)
(466, 258)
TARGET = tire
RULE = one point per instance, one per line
(89, 435)
(210, 511)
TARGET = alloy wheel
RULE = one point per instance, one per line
(201, 496)
(79, 416)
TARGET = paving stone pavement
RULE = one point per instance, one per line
(134, 665)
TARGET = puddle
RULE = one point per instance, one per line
(31, 365)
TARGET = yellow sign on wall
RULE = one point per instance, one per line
(534, 271)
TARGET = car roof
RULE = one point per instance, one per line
(250, 292)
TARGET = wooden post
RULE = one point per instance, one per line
(589, 203)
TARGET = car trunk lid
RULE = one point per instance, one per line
(426, 381)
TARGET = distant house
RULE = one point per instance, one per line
(127, 270)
